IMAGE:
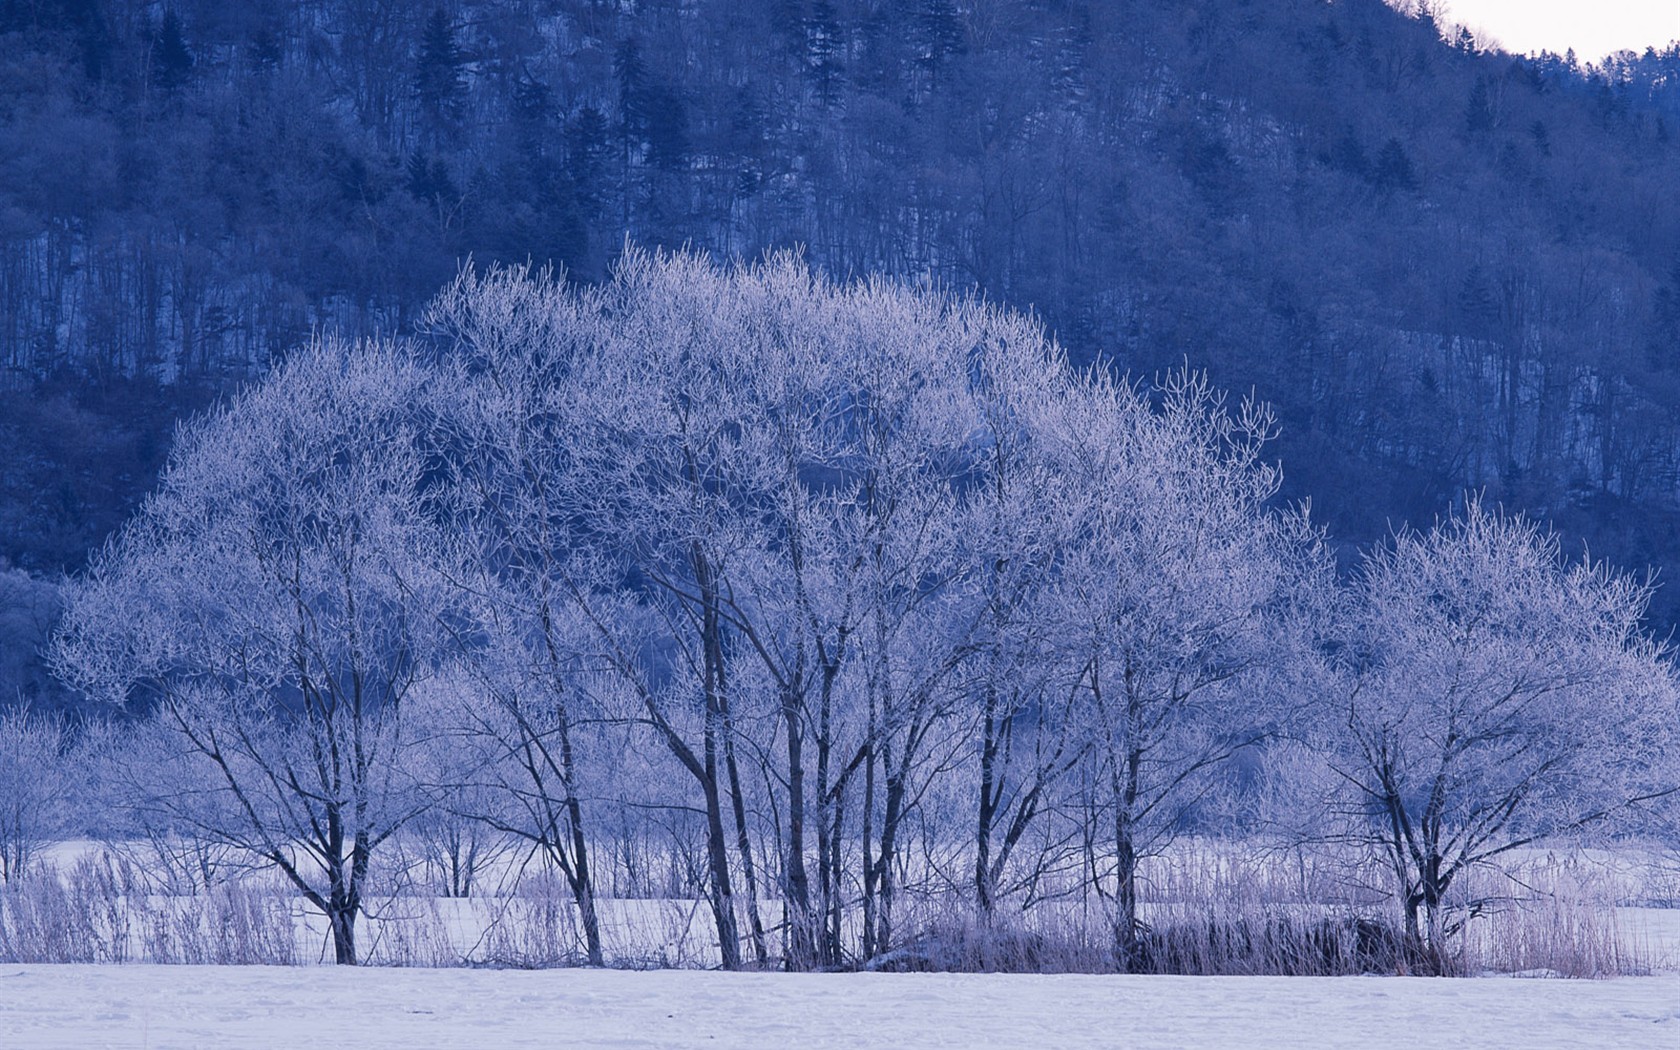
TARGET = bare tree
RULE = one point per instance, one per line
(745, 482)
(1173, 605)
(456, 840)
(1488, 696)
(533, 583)
(32, 786)
(1020, 522)
(607, 469)
(153, 802)
(274, 602)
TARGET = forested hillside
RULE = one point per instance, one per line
(1445, 268)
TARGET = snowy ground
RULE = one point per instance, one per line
(84, 1007)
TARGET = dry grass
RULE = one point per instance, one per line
(1211, 908)
(99, 910)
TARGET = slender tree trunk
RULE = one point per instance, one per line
(831, 820)
(801, 936)
(890, 820)
(717, 859)
(828, 949)
(583, 885)
(834, 934)
(869, 947)
(717, 849)
(582, 876)
(990, 792)
(743, 843)
(1127, 944)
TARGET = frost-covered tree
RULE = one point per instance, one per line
(1175, 603)
(536, 598)
(457, 842)
(1488, 695)
(841, 549)
(746, 481)
(272, 605)
(1017, 524)
(33, 782)
(149, 800)
(854, 588)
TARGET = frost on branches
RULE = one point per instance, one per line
(271, 607)
(843, 608)
(1488, 696)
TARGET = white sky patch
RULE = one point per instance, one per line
(1594, 28)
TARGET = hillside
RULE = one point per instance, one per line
(1446, 268)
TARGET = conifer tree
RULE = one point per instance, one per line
(172, 62)
(1393, 170)
(437, 76)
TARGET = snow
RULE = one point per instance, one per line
(158, 1007)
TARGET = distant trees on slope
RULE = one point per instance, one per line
(837, 590)
(1297, 193)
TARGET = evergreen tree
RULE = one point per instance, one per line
(940, 29)
(1393, 170)
(1478, 112)
(437, 76)
(824, 48)
(747, 135)
(429, 180)
(632, 78)
(587, 146)
(172, 62)
(667, 129)
(532, 109)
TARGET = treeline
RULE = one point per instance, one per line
(1446, 268)
(822, 598)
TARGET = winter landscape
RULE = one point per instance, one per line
(942, 523)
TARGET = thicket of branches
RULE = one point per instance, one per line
(832, 599)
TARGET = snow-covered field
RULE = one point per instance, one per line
(84, 1007)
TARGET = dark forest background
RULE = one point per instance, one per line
(1446, 267)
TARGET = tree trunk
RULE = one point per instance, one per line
(717, 848)
(717, 859)
(343, 902)
(891, 818)
(583, 885)
(868, 948)
(743, 842)
(343, 924)
(801, 952)
(1128, 946)
(991, 790)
